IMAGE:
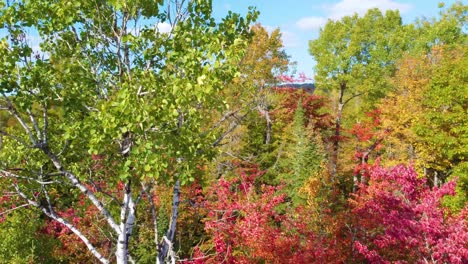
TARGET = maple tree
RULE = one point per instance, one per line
(354, 56)
(425, 117)
(368, 137)
(245, 226)
(399, 218)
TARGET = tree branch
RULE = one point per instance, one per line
(46, 123)
(15, 113)
(232, 126)
(35, 124)
(15, 138)
(75, 182)
(122, 240)
(351, 98)
(153, 213)
(8, 174)
(166, 244)
(13, 209)
(64, 222)
(99, 189)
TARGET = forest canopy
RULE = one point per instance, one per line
(153, 131)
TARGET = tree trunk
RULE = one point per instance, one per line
(364, 161)
(336, 142)
(122, 249)
(269, 124)
(167, 242)
(122, 240)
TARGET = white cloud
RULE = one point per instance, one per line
(308, 23)
(269, 28)
(34, 40)
(349, 7)
(290, 40)
(164, 27)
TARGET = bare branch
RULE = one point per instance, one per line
(75, 182)
(67, 142)
(142, 192)
(166, 244)
(13, 209)
(225, 116)
(149, 194)
(50, 213)
(46, 123)
(7, 174)
(99, 189)
(49, 204)
(269, 122)
(22, 142)
(15, 113)
(351, 98)
(232, 127)
(35, 124)
(75, 33)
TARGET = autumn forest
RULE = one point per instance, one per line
(121, 142)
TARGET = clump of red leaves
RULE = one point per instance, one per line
(369, 136)
(245, 225)
(399, 218)
(88, 220)
(313, 106)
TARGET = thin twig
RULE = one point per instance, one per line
(15, 113)
(149, 194)
(35, 124)
(46, 123)
(8, 174)
(13, 209)
(15, 138)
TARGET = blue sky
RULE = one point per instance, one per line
(300, 20)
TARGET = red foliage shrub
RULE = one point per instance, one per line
(246, 225)
(399, 218)
(312, 104)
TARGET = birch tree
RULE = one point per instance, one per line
(125, 82)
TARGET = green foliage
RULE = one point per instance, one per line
(447, 29)
(359, 52)
(443, 129)
(444, 123)
(109, 98)
(308, 157)
(22, 242)
(248, 94)
(109, 84)
(426, 117)
(300, 157)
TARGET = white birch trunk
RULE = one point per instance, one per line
(121, 253)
